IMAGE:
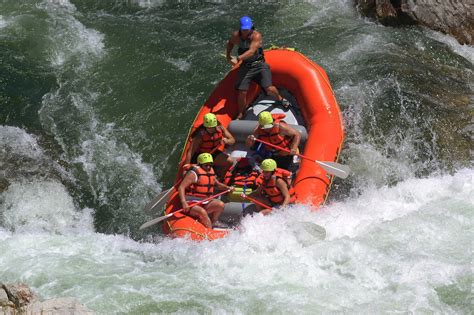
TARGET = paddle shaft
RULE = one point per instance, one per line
(255, 201)
(167, 216)
(283, 149)
(333, 168)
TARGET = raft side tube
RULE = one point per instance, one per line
(234, 211)
(241, 129)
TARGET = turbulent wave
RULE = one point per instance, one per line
(117, 176)
(407, 240)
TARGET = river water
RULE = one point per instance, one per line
(96, 98)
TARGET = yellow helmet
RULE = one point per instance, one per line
(265, 120)
(204, 158)
(210, 120)
(269, 165)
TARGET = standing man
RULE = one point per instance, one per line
(252, 63)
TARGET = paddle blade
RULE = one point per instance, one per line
(159, 200)
(154, 221)
(335, 169)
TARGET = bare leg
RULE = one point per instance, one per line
(273, 91)
(242, 101)
(200, 214)
(214, 209)
(261, 209)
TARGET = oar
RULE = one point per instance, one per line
(255, 201)
(169, 215)
(160, 199)
(333, 168)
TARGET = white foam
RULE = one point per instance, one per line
(378, 205)
(388, 250)
(69, 37)
(324, 10)
(361, 44)
(42, 206)
(465, 51)
(3, 22)
(16, 141)
(148, 3)
(181, 64)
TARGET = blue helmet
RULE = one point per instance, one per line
(245, 23)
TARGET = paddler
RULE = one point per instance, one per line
(211, 137)
(275, 189)
(198, 183)
(271, 130)
(252, 64)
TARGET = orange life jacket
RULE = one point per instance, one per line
(210, 141)
(271, 190)
(243, 178)
(273, 135)
(204, 186)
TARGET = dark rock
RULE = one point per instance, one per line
(453, 17)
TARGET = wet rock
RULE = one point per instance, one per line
(453, 17)
(20, 299)
(20, 294)
(58, 306)
(4, 301)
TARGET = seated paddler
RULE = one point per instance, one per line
(273, 130)
(211, 137)
(275, 189)
(199, 183)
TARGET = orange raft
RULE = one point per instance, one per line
(309, 85)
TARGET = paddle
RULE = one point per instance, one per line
(255, 201)
(169, 215)
(160, 199)
(333, 168)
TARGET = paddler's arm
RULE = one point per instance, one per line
(230, 45)
(222, 186)
(290, 132)
(254, 45)
(188, 179)
(228, 138)
(256, 192)
(251, 139)
(195, 144)
(281, 185)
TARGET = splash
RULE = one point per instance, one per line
(408, 240)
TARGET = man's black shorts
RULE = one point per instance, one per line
(259, 73)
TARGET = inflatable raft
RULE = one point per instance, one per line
(314, 112)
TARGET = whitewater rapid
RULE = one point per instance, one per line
(410, 241)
